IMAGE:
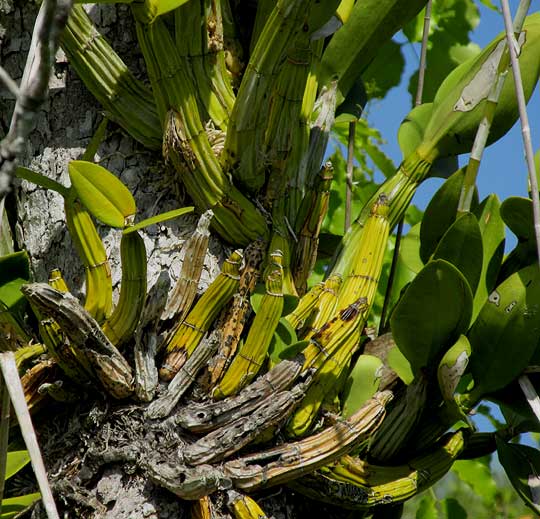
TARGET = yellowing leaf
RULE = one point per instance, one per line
(102, 193)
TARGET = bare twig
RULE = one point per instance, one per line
(524, 382)
(399, 230)
(50, 21)
(16, 393)
(530, 394)
(484, 127)
(4, 436)
(423, 54)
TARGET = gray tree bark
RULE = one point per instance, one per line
(90, 449)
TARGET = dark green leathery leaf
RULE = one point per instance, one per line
(522, 466)
(492, 230)
(361, 384)
(452, 367)
(102, 193)
(434, 310)
(517, 213)
(14, 272)
(461, 245)
(506, 332)
(440, 214)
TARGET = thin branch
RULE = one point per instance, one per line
(4, 436)
(484, 127)
(423, 56)
(530, 394)
(399, 231)
(16, 393)
(50, 22)
(524, 118)
(349, 175)
(524, 382)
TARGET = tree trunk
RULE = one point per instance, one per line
(91, 449)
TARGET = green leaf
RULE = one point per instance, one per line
(399, 363)
(522, 466)
(477, 474)
(506, 332)
(492, 230)
(102, 193)
(461, 245)
(434, 310)
(13, 266)
(14, 272)
(169, 215)
(371, 24)
(353, 105)
(411, 129)
(15, 505)
(41, 180)
(16, 460)
(452, 367)
(283, 338)
(517, 213)
(490, 5)
(452, 509)
(6, 238)
(449, 41)
(408, 264)
(385, 71)
(363, 188)
(361, 384)
(440, 214)
(427, 508)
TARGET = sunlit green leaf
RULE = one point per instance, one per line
(361, 384)
(169, 215)
(399, 363)
(477, 474)
(16, 460)
(14, 505)
(102, 193)
(41, 180)
(427, 509)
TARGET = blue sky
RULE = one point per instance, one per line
(503, 169)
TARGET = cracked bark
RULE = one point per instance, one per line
(92, 450)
